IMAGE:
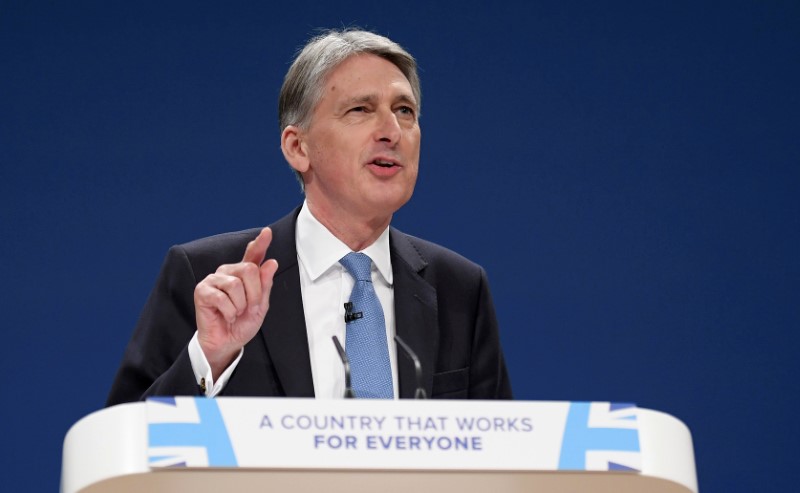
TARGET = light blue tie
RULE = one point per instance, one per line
(365, 341)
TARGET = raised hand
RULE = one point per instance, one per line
(232, 302)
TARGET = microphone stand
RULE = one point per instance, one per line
(348, 389)
(420, 392)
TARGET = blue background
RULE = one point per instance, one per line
(627, 172)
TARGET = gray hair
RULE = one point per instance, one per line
(304, 82)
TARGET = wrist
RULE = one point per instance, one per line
(219, 359)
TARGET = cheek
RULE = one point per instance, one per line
(324, 159)
(414, 147)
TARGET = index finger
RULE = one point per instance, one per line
(257, 249)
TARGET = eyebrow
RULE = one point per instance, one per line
(404, 98)
(370, 98)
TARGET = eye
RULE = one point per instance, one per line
(358, 109)
(406, 110)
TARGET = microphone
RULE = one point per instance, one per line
(420, 392)
(348, 390)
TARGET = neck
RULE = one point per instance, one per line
(356, 233)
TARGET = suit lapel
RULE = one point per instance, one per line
(416, 314)
(284, 327)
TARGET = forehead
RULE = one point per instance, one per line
(365, 72)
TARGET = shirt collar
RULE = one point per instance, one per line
(319, 250)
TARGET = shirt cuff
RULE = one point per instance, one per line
(202, 370)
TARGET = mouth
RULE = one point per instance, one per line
(384, 167)
(383, 163)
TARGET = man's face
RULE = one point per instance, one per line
(363, 142)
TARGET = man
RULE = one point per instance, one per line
(223, 321)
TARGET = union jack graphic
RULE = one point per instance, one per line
(601, 437)
(187, 432)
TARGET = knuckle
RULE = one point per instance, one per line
(204, 287)
(249, 269)
(230, 283)
(219, 298)
(209, 279)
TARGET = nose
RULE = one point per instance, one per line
(388, 128)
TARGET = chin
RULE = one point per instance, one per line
(396, 201)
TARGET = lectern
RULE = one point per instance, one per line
(305, 445)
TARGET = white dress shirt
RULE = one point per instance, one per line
(325, 286)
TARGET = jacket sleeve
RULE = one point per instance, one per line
(488, 373)
(156, 360)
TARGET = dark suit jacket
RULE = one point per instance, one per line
(443, 310)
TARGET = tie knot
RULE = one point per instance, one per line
(358, 265)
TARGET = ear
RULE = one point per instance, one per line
(294, 148)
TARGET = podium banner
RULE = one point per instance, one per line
(197, 432)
